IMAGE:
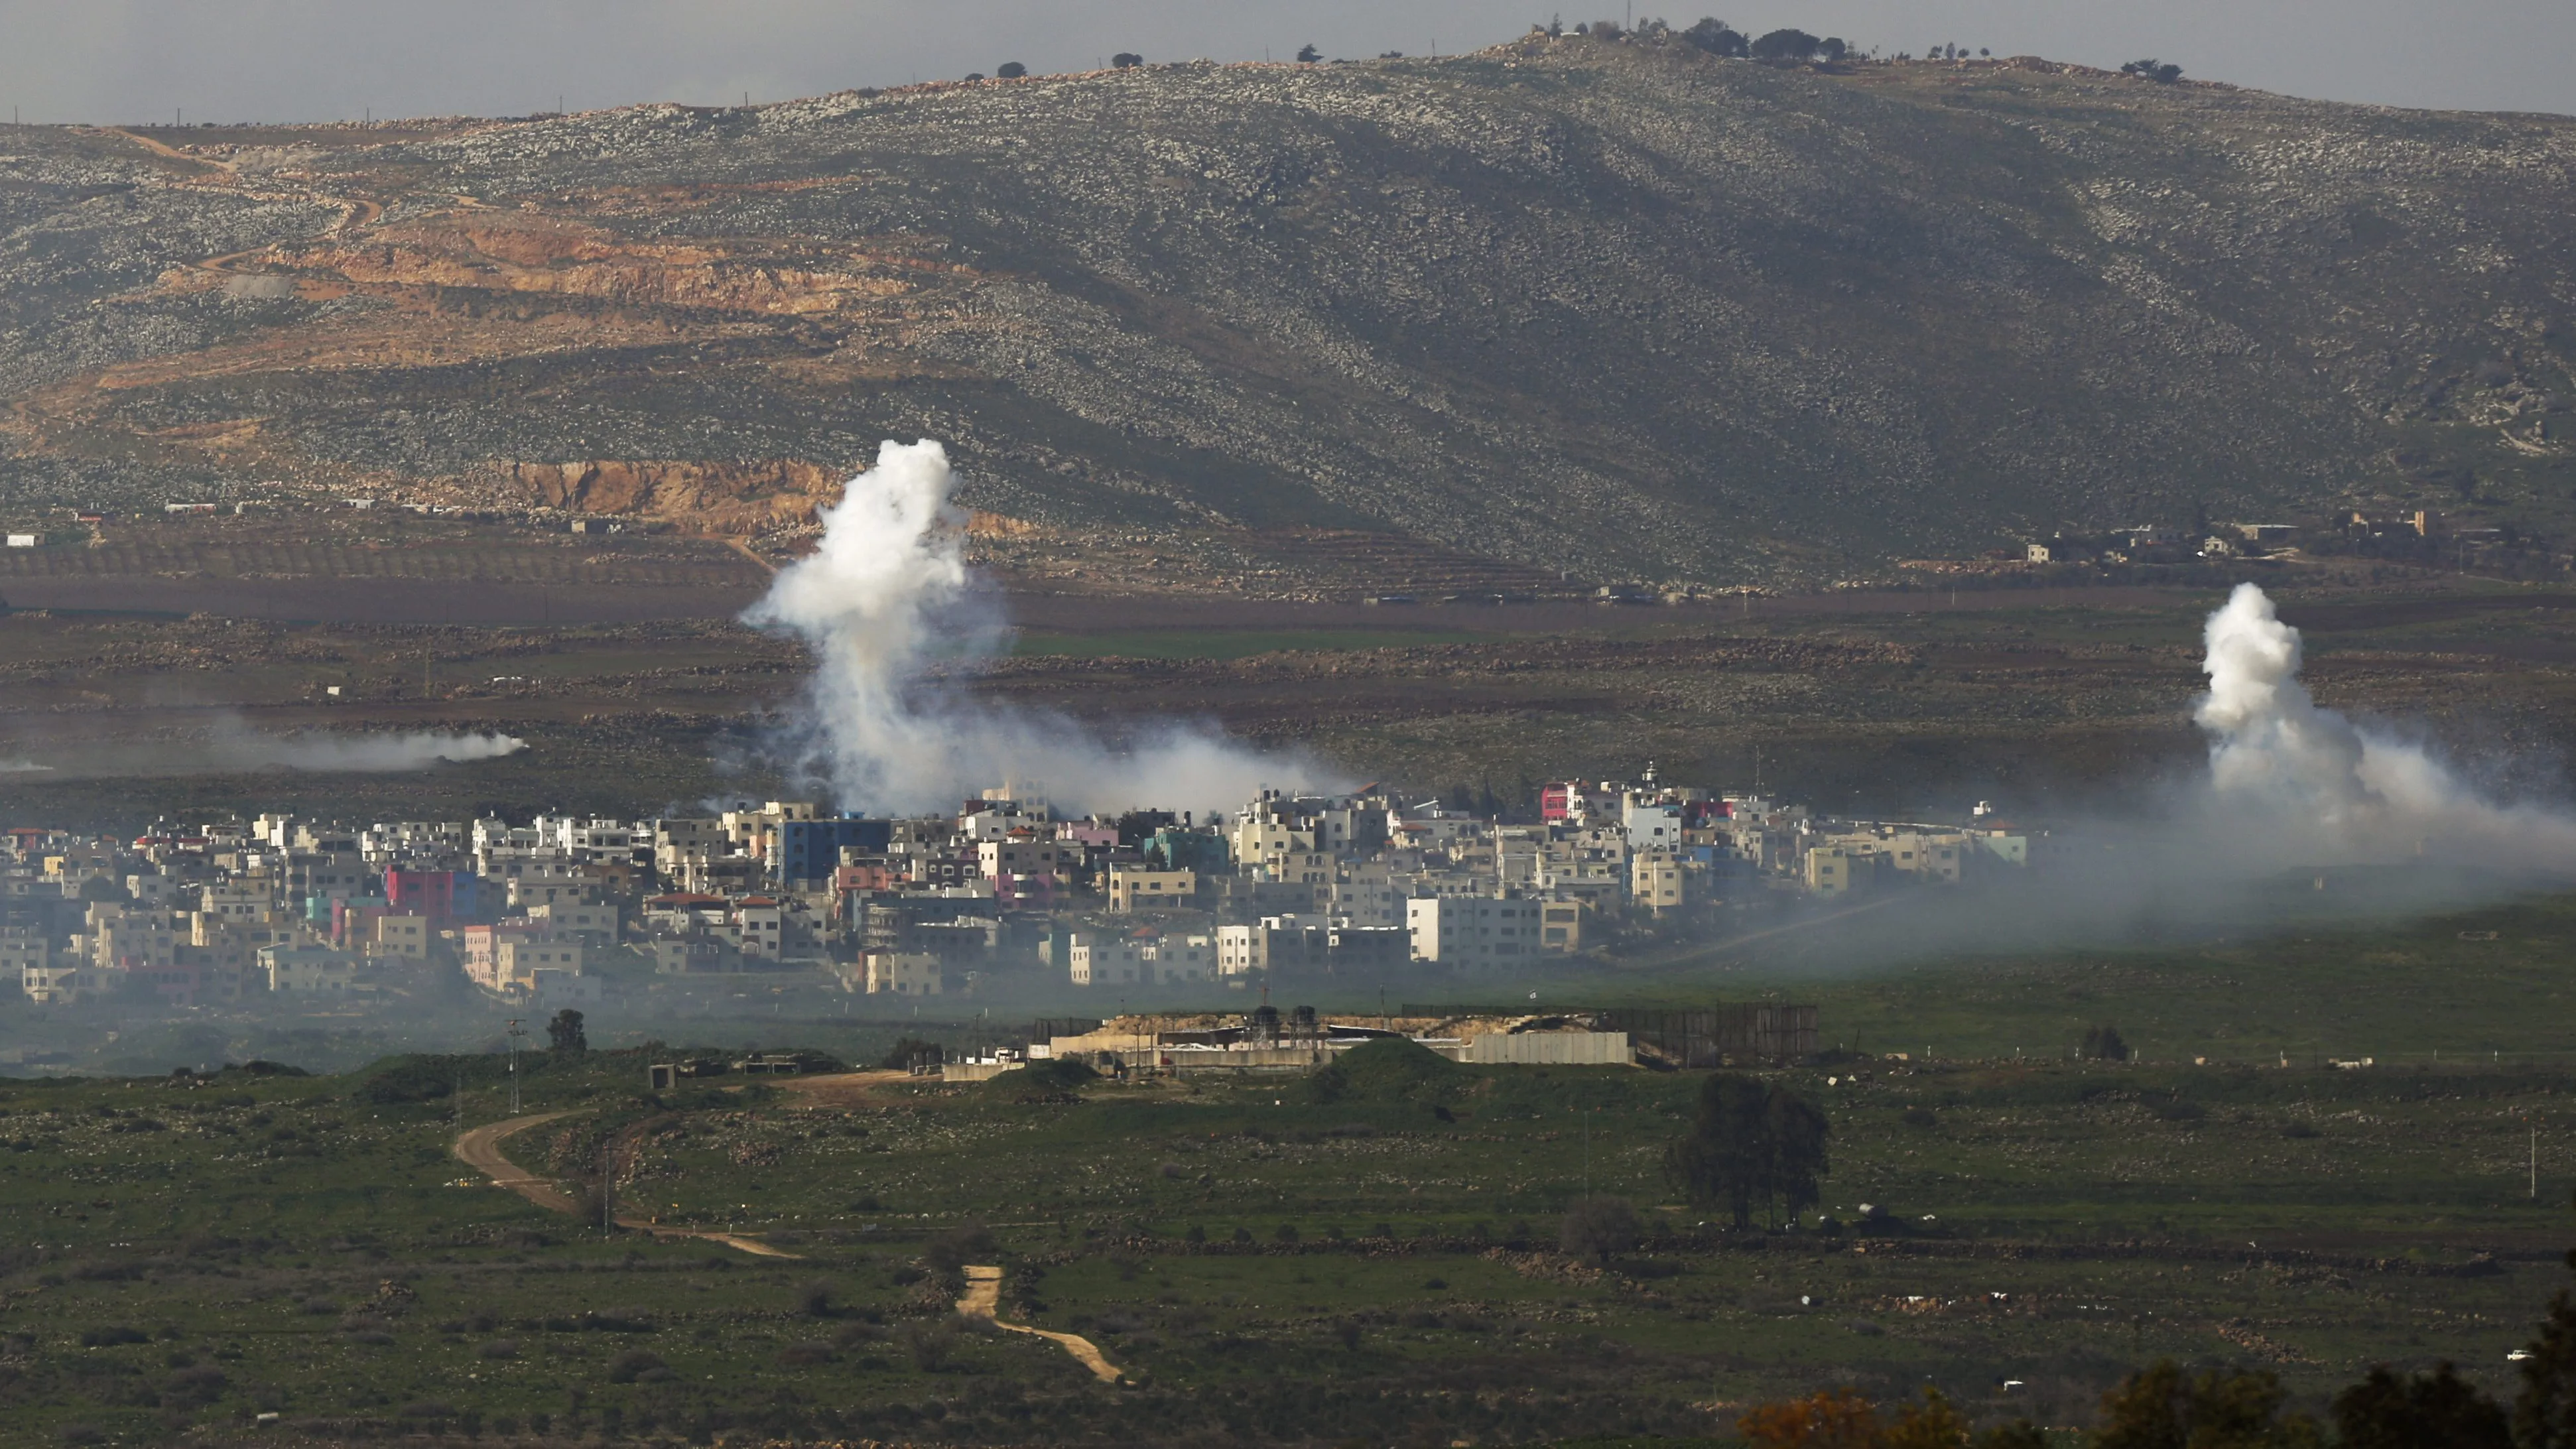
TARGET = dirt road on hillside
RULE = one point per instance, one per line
(480, 1149)
(984, 1297)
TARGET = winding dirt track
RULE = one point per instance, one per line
(984, 1295)
(480, 1149)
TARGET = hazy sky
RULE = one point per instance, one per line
(284, 60)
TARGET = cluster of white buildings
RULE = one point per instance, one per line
(1353, 887)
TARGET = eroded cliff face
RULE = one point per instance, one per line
(1563, 306)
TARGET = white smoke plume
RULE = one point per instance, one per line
(888, 589)
(375, 754)
(2307, 776)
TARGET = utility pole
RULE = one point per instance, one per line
(515, 1034)
(608, 1184)
(2535, 1162)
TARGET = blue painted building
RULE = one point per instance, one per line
(809, 850)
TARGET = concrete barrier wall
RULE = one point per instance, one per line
(976, 1071)
(1549, 1049)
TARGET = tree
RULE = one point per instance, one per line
(2103, 1044)
(105, 888)
(2161, 1409)
(1597, 1227)
(1010, 70)
(1844, 1420)
(2154, 70)
(1785, 45)
(1126, 59)
(564, 1033)
(1751, 1144)
(2439, 1410)
(1716, 37)
(1833, 1419)
(1832, 48)
(953, 1249)
(1308, 55)
(2544, 1414)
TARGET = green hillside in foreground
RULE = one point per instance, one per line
(1599, 306)
(1373, 1254)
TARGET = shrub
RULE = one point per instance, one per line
(931, 1345)
(112, 1336)
(1011, 70)
(633, 1364)
(814, 1300)
(1920, 1117)
(420, 1080)
(1125, 59)
(950, 1251)
(1287, 1233)
(806, 1355)
(1596, 1227)
(501, 1348)
(194, 1387)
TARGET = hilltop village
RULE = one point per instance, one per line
(1353, 889)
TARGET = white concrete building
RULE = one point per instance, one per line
(1474, 933)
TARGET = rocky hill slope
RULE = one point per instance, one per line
(1565, 305)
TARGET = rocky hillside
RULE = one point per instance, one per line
(1569, 305)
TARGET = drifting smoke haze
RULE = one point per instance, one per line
(235, 748)
(888, 590)
(359, 754)
(2303, 815)
(2304, 775)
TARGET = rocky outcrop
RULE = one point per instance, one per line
(713, 497)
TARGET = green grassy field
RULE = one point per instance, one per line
(1268, 1259)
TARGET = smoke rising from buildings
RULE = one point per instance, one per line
(886, 591)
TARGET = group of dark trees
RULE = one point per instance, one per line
(1718, 38)
(1752, 1146)
(2165, 1408)
(2154, 70)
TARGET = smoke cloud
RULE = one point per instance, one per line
(2303, 817)
(366, 754)
(888, 590)
(2347, 794)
